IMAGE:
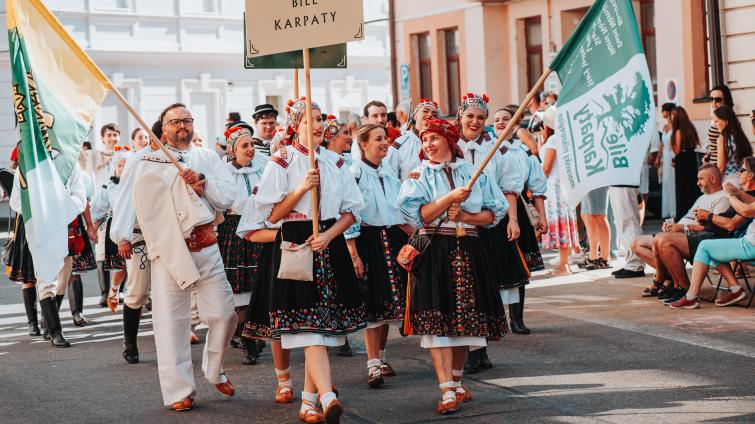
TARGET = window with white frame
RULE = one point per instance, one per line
(199, 7)
(112, 4)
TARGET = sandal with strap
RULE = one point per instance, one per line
(462, 394)
(449, 406)
(284, 394)
(112, 299)
(652, 291)
(311, 415)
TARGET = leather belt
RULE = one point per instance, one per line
(202, 236)
(296, 216)
(448, 231)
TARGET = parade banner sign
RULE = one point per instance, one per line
(320, 57)
(56, 94)
(288, 25)
(606, 114)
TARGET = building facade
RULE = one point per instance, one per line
(191, 51)
(501, 47)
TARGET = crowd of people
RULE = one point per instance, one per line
(388, 226)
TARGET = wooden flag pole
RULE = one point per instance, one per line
(311, 143)
(510, 126)
(146, 127)
(296, 83)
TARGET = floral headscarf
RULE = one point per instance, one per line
(472, 101)
(332, 126)
(296, 110)
(446, 129)
(234, 133)
(423, 102)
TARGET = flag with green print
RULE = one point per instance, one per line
(606, 114)
(57, 90)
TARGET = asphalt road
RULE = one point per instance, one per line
(598, 353)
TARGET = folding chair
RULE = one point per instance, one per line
(739, 265)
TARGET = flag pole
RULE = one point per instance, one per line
(296, 83)
(510, 126)
(311, 142)
(144, 125)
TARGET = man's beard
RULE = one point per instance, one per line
(181, 140)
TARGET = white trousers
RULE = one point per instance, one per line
(139, 270)
(627, 215)
(171, 321)
(46, 289)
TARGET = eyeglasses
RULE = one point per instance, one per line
(743, 169)
(718, 99)
(176, 122)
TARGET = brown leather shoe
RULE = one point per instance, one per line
(445, 408)
(226, 388)
(387, 370)
(183, 405)
(333, 412)
(284, 394)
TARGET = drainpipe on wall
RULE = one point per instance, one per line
(394, 66)
(714, 35)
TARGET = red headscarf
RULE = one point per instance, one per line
(446, 129)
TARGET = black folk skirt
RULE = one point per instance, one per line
(85, 260)
(240, 256)
(258, 324)
(452, 290)
(505, 258)
(383, 287)
(113, 260)
(21, 263)
(527, 242)
(331, 304)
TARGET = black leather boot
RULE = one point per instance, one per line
(76, 301)
(249, 351)
(517, 327)
(103, 279)
(485, 363)
(520, 310)
(30, 305)
(50, 314)
(131, 319)
(59, 300)
(472, 366)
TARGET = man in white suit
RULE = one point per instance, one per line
(176, 214)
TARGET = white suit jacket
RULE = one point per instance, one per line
(167, 211)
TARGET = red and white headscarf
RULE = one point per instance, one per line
(296, 110)
(423, 103)
(448, 130)
(332, 126)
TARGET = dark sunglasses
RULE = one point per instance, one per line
(718, 99)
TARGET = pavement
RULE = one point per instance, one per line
(598, 353)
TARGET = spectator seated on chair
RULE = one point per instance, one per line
(719, 253)
(667, 251)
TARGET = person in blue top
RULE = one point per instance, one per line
(452, 299)
(374, 242)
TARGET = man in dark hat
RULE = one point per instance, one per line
(264, 127)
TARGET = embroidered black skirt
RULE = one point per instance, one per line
(113, 260)
(85, 260)
(527, 242)
(21, 263)
(505, 258)
(239, 256)
(452, 290)
(258, 313)
(383, 287)
(331, 304)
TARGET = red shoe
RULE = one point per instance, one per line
(226, 388)
(312, 414)
(732, 298)
(445, 408)
(685, 303)
(463, 395)
(183, 405)
(284, 394)
(333, 412)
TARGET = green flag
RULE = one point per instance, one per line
(57, 91)
(606, 115)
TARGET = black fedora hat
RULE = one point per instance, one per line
(266, 108)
